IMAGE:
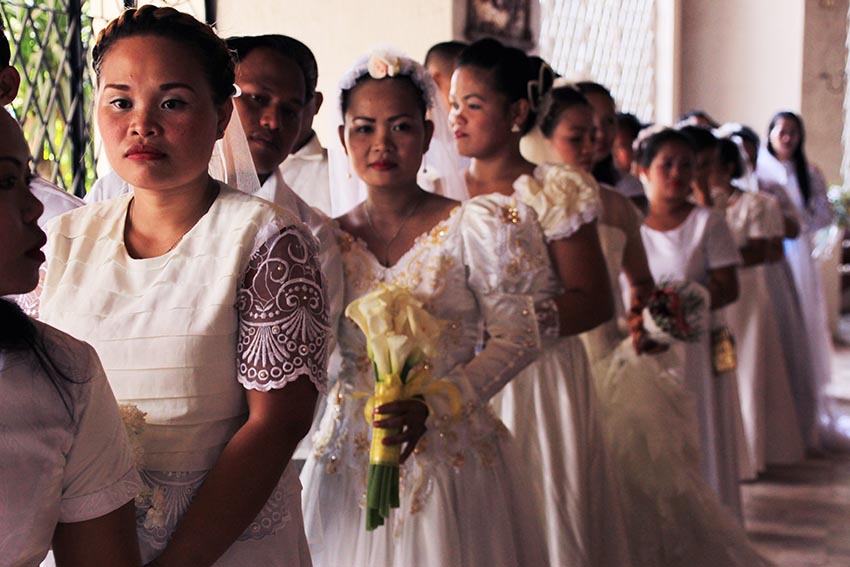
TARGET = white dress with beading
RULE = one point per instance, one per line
(237, 305)
(466, 497)
(552, 408)
(701, 243)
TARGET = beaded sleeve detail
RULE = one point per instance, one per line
(283, 315)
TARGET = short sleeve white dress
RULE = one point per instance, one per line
(466, 497)
(762, 374)
(58, 462)
(703, 242)
(237, 304)
(672, 516)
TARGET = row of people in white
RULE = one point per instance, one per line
(485, 261)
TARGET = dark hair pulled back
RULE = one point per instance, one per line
(648, 147)
(557, 101)
(169, 23)
(284, 45)
(511, 74)
(728, 152)
(18, 333)
(345, 94)
(801, 164)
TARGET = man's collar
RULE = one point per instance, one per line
(311, 151)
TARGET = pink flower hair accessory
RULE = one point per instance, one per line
(382, 65)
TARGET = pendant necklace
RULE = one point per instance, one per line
(389, 243)
(213, 194)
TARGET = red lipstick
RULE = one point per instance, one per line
(144, 153)
(382, 165)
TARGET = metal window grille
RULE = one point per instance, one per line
(50, 42)
(612, 43)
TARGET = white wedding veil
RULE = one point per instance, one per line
(231, 159)
(441, 170)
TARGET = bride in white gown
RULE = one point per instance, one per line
(552, 407)
(672, 516)
(465, 495)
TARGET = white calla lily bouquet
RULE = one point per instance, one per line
(400, 337)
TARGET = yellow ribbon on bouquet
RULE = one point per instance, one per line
(391, 389)
(400, 333)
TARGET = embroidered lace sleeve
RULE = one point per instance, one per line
(283, 314)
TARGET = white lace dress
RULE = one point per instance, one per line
(466, 497)
(238, 304)
(552, 407)
(702, 243)
(673, 518)
(64, 455)
(763, 381)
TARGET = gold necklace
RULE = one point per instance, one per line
(385, 262)
(212, 187)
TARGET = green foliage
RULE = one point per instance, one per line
(40, 37)
(839, 198)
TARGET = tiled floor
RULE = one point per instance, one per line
(799, 516)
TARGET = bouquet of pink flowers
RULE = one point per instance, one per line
(674, 311)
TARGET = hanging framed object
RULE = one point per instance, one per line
(507, 20)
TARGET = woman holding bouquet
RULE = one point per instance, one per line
(648, 416)
(687, 242)
(552, 408)
(468, 264)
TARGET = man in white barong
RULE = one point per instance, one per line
(305, 170)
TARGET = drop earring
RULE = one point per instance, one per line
(515, 128)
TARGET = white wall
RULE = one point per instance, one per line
(825, 53)
(742, 60)
(339, 31)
